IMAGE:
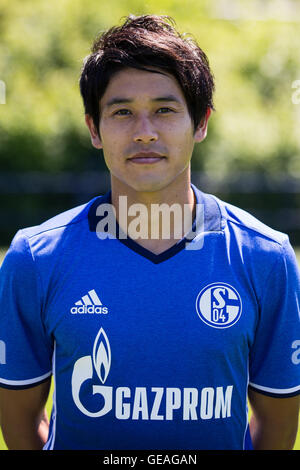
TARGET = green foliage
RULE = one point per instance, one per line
(255, 61)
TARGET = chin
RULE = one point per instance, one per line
(149, 186)
(145, 184)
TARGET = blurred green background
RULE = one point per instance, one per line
(251, 156)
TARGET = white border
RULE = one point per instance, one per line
(25, 382)
(279, 391)
(51, 438)
(247, 408)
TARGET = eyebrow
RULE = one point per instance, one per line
(119, 100)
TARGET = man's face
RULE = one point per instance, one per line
(146, 131)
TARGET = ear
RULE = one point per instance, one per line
(96, 141)
(201, 130)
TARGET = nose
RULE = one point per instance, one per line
(144, 130)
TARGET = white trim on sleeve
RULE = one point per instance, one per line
(279, 391)
(24, 382)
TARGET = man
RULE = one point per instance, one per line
(153, 341)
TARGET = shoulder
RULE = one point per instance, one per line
(60, 221)
(222, 216)
(251, 240)
(55, 232)
(266, 254)
(246, 222)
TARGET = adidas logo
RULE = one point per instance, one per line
(89, 303)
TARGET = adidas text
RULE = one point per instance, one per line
(89, 303)
(89, 309)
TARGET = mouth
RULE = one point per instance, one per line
(146, 158)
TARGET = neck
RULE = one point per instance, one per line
(155, 219)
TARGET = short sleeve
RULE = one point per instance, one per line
(274, 365)
(25, 348)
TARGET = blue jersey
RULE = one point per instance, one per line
(151, 351)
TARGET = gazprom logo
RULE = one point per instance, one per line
(153, 403)
(100, 361)
(219, 305)
(2, 352)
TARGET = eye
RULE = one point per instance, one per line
(122, 112)
(164, 110)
